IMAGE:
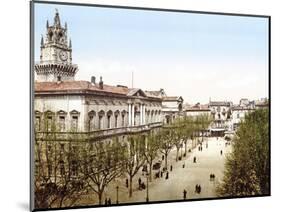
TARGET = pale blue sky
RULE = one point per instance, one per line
(196, 56)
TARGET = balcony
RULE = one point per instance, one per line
(96, 134)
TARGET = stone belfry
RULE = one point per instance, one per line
(56, 54)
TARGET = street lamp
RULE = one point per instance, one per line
(117, 188)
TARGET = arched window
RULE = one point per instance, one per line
(37, 123)
(61, 120)
(91, 120)
(101, 115)
(74, 114)
(49, 116)
(116, 115)
(148, 116)
(109, 115)
(152, 116)
(123, 114)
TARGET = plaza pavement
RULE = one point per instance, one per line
(209, 161)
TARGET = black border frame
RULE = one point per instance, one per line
(31, 87)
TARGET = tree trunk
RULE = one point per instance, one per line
(177, 154)
(131, 186)
(181, 151)
(166, 160)
(150, 172)
(100, 197)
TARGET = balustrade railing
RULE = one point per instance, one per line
(95, 133)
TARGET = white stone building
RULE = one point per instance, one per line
(221, 113)
(197, 110)
(238, 115)
(86, 106)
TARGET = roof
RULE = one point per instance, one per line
(220, 103)
(76, 86)
(241, 108)
(160, 93)
(153, 93)
(172, 98)
(85, 86)
(197, 107)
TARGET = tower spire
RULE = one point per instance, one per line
(70, 44)
(42, 40)
(57, 19)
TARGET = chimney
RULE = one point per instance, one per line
(101, 83)
(93, 80)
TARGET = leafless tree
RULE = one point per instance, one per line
(102, 162)
(56, 179)
(135, 157)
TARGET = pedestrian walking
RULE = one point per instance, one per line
(221, 152)
(184, 194)
(194, 159)
(199, 189)
(183, 165)
(139, 183)
(167, 175)
(196, 188)
(109, 201)
(171, 168)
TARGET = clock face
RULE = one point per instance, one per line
(63, 55)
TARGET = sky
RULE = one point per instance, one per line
(196, 56)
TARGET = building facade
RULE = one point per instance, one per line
(89, 106)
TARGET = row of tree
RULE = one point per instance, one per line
(247, 169)
(67, 171)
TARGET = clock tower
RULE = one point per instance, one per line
(56, 54)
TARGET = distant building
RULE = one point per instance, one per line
(221, 113)
(172, 107)
(197, 110)
(238, 115)
(262, 103)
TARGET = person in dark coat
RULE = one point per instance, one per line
(199, 189)
(221, 152)
(194, 159)
(139, 183)
(184, 194)
(171, 168)
(109, 201)
(167, 175)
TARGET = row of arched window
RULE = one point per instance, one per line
(95, 120)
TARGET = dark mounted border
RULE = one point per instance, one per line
(133, 8)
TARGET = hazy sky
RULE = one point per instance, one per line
(195, 56)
